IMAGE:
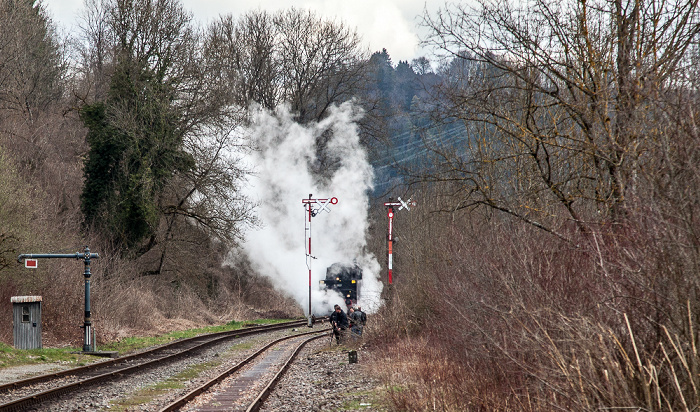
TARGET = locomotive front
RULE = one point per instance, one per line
(346, 279)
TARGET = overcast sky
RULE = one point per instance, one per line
(390, 24)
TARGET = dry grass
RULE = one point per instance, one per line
(499, 316)
(421, 377)
(573, 364)
(124, 303)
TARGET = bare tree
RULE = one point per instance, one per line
(321, 62)
(556, 98)
(577, 118)
(35, 130)
(421, 65)
(243, 54)
(291, 57)
(93, 49)
(31, 60)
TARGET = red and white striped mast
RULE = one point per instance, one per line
(390, 235)
(311, 212)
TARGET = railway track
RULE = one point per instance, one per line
(238, 388)
(28, 393)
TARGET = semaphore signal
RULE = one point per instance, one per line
(311, 211)
(390, 235)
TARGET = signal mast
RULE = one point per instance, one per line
(30, 261)
(390, 236)
(311, 212)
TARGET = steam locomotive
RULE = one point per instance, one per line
(345, 279)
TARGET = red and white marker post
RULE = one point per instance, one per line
(390, 235)
(311, 212)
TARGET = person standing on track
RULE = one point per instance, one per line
(339, 321)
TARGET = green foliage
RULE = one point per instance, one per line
(102, 161)
(135, 150)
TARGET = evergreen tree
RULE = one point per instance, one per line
(383, 70)
(127, 167)
(405, 85)
(135, 135)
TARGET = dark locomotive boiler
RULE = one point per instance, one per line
(345, 279)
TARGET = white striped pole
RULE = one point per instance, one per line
(390, 242)
(308, 251)
(390, 236)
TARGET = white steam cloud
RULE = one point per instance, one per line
(282, 177)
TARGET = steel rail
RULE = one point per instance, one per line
(22, 403)
(150, 352)
(265, 393)
(179, 403)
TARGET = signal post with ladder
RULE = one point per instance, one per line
(313, 207)
(390, 235)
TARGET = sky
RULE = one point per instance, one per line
(389, 24)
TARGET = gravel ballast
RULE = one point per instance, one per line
(320, 379)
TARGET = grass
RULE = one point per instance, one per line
(151, 392)
(243, 345)
(131, 344)
(10, 356)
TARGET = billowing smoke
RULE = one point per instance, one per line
(283, 175)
